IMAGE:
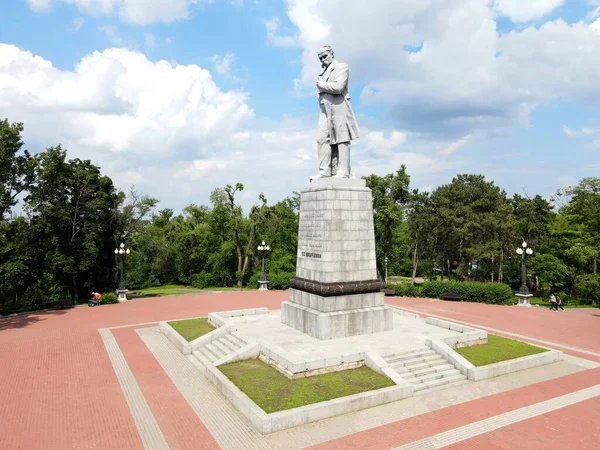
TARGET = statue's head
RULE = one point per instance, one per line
(326, 55)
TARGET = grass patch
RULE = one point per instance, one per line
(192, 329)
(177, 289)
(496, 350)
(273, 391)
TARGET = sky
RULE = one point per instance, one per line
(179, 97)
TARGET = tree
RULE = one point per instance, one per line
(585, 210)
(390, 194)
(421, 225)
(552, 271)
(16, 166)
(76, 204)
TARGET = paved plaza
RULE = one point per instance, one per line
(107, 378)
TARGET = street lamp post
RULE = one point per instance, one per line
(263, 249)
(120, 253)
(386, 264)
(523, 295)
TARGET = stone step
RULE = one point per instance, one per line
(420, 359)
(430, 384)
(427, 370)
(227, 344)
(214, 350)
(239, 343)
(431, 376)
(204, 355)
(390, 356)
(440, 383)
(401, 369)
(221, 347)
(409, 356)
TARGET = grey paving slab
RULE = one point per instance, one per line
(231, 429)
(407, 333)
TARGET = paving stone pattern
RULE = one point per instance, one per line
(60, 389)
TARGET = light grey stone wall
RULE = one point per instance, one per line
(336, 238)
(336, 303)
(337, 324)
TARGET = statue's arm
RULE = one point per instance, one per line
(337, 85)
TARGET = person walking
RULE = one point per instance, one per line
(553, 304)
(559, 303)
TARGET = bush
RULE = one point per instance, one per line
(278, 281)
(406, 289)
(202, 280)
(469, 291)
(109, 298)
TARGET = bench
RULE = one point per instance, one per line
(388, 292)
(450, 296)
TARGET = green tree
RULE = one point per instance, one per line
(16, 166)
(390, 194)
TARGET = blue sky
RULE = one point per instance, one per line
(207, 93)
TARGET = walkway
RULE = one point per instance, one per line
(59, 388)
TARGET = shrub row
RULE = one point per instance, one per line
(277, 280)
(109, 298)
(469, 291)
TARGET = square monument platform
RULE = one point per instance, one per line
(335, 292)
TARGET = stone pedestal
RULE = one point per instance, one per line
(122, 295)
(263, 285)
(524, 300)
(335, 292)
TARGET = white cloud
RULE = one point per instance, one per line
(112, 34)
(580, 132)
(378, 144)
(273, 36)
(39, 5)
(524, 11)
(460, 76)
(76, 24)
(223, 63)
(139, 12)
(456, 145)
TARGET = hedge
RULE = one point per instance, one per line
(110, 298)
(469, 291)
(277, 280)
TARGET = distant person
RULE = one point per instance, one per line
(559, 303)
(553, 303)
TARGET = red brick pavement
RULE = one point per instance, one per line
(574, 327)
(575, 427)
(424, 425)
(59, 390)
(179, 423)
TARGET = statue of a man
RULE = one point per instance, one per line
(337, 125)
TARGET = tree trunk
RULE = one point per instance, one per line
(492, 267)
(595, 266)
(75, 298)
(500, 265)
(415, 260)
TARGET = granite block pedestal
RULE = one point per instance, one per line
(335, 292)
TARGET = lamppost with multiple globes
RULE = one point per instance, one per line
(120, 253)
(524, 251)
(386, 264)
(263, 249)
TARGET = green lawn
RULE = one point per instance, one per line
(273, 391)
(176, 289)
(496, 350)
(191, 329)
